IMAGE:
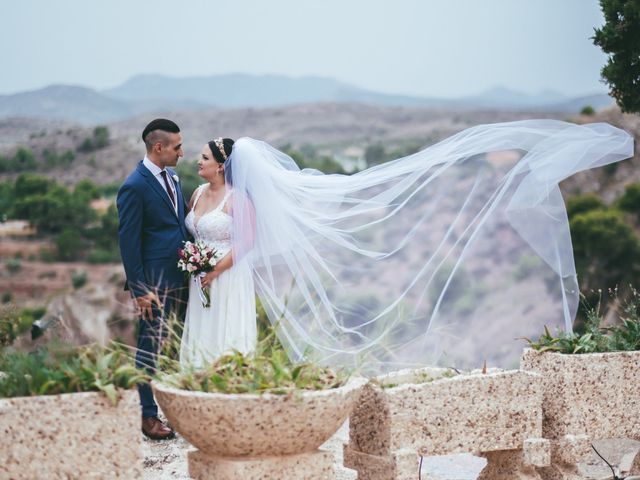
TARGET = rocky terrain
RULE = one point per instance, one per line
(330, 127)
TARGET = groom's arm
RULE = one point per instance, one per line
(130, 211)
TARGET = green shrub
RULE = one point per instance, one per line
(14, 323)
(68, 370)
(98, 255)
(596, 338)
(101, 136)
(23, 160)
(587, 110)
(79, 279)
(13, 265)
(7, 297)
(98, 140)
(606, 249)
(629, 201)
(69, 246)
(584, 203)
(86, 145)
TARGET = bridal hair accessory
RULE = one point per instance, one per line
(220, 144)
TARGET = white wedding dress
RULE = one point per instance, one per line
(230, 322)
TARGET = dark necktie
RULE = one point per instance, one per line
(166, 184)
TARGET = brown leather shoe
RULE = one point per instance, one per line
(154, 429)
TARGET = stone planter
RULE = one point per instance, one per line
(75, 435)
(258, 436)
(497, 415)
(586, 397)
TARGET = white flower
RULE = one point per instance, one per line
(175, 178)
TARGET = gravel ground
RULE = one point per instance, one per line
(167, 460)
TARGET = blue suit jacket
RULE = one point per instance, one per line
(150, 232)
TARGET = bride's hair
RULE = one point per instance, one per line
(219, 154)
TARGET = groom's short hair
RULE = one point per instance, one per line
(153, 132)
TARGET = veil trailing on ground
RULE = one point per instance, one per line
(442, 257)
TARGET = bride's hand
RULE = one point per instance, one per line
(208, 278)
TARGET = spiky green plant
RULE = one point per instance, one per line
(55, 370)
(266, 370)
(597, 338)
(238, 373)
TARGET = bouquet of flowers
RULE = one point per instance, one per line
(197, 259)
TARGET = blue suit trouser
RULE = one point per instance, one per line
(150, 336)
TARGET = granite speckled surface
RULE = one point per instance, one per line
(391, 427)
(596, 394)
(259, 436)
(586, 397)
(316, 465)
(76, 435)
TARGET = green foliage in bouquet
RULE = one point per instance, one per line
(56, 370)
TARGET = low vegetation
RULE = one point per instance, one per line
(597, 337)
(267, 370)
(55, 370)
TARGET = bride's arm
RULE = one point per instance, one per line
(225, 263)
(193, 198)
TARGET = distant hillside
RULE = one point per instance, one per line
(337, 129)
(153, 94)
(71, 103)
(334, 129)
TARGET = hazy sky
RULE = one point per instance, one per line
(417, 47)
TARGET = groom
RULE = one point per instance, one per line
(151, 210)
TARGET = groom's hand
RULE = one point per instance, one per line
(145, 306)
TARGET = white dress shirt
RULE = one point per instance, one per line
(155, 170)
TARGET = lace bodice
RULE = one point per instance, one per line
(213, 227)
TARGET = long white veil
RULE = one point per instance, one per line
(442, 257)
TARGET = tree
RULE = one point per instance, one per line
(85, 188)
(606, 249)
(100, 136)
(6, 200)
(69, 245)
(23, 160)
(630, 199)
(53, 159)
(99, 139)
(584, 203)
(375, 154)
(619, 37)
(189, 178)
(49, 207)
(587, 110)
(29, 184)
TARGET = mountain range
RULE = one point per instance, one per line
(149, 94)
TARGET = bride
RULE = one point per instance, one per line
(230, 321)
(446, 256)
